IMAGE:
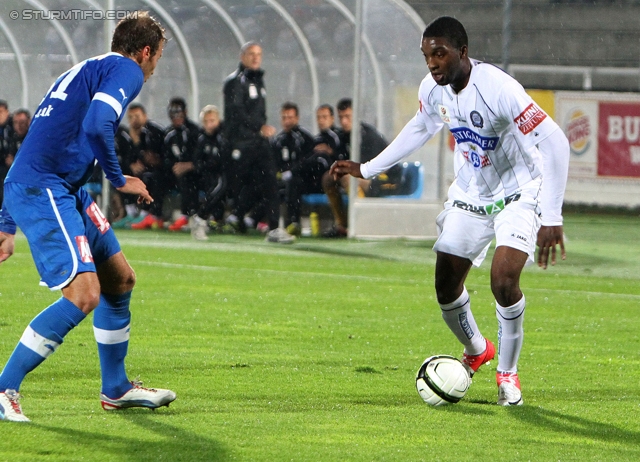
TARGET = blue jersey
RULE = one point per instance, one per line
(75, 125)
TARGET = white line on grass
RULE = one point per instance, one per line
(361, 278)
(255, 270)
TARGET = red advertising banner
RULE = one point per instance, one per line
(619, 139)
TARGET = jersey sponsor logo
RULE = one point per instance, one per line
(443, 112)
(44, 112)
(530, 118)
(476, 119)
(466, 135)
(84, 249)
(476, 159)
(98, 218)
(253, 91)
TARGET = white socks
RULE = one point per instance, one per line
(459, 318)
(510, 335)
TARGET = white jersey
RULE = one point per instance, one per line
(496, 126)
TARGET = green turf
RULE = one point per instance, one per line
(309, 352)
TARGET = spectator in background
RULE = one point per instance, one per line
(6, 131)
(372, 143)
(20, 122)
(211, 161)
(139, 150)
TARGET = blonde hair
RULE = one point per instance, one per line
(208, 109)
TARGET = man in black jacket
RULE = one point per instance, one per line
(139, 150)
(254, 176)
(211, 163)
(6, 132)
(181, 138)
(292, 148)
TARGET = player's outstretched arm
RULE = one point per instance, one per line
(136, 186)
(548, 238)
(341, 168)
(6, 245)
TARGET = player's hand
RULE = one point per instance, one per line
(6, 245)
(548, 238)
(341, 168)
(137, 187)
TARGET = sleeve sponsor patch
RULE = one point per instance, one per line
(530, 118)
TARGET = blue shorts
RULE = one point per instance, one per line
(67, 233)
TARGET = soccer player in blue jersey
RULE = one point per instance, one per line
(73, 246)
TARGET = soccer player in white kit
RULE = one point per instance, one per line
(511, 164)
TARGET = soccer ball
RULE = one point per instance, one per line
(442, 379)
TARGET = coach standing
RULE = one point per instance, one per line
(253, 177)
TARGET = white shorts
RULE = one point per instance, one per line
(468, 234)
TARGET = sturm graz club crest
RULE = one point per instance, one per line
(476, 119)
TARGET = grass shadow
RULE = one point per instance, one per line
(339, 252)
(574, 426)
(169, 442)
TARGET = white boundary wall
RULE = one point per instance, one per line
(604, 132)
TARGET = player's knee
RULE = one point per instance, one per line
(506, 290)
(127, 280)
(88, 300)
(447, 290)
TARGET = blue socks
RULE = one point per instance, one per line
(41, 338)
(111, 320)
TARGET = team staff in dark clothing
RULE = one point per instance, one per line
(372, 143)
(20, 121)
(139, 150)
(211, 163)
(6, 132)
(254, 176)
(292, 147)
(181, 138)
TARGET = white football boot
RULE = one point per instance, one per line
(138, 396)
(10, 408)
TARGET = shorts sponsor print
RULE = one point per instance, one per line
(65, 232)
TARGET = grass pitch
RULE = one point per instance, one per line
(309, 352)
